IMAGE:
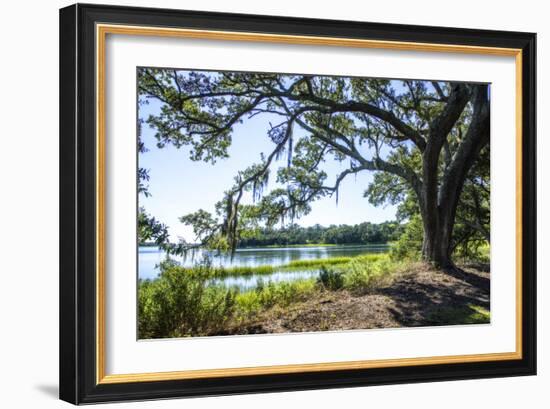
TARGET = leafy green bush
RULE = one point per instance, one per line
(270, 294)
(181, 302)
(285, 293)
(363, 275)
(409, 245)
(471, 247)
(330, 279)
(248, 304)
(473, 250)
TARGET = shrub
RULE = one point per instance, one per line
(181, 302)
(475, 250)
(248, 304)
(285, 293)
(363, 275)
(330, 279)
(270, 294)
(409, 245)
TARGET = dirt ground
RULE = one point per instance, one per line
(422, 296)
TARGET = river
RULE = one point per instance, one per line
(150, 257)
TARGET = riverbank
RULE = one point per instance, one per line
(369, 291)
(420, 296)
(256, 261)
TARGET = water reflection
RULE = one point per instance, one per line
(244, 283)
(150, 257)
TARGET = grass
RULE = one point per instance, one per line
(184, 302)
(468, 314)
(222, 272)
(188, 302)
(268, 295)
(361, 274)
(316, 263)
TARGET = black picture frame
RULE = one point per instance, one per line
(78, 198)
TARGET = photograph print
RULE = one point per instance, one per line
(282, 203)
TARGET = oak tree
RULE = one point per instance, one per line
(422, 138)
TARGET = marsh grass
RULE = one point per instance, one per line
(223, 272)
(330, 279)
(188, 302)
(267, 295)
(365, 273)
(316, 263)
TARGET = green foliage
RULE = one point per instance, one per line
(471, 234)
(473, 251)
(142, 173)
(388, 188)
(270, 294)
(182, 303)
(293, 234)
(484, 253)
(222, 272)
(150, 229)
(285, 292)
(203, 223)
(318, 262)
(409, 245)
(460, 315)
(330, 279)
(185, 302)
(363, 274)
(363, 124)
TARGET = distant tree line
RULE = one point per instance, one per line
(364, 233)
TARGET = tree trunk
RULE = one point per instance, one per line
(436, 246)
(439, 198)
(439, 218)
(438, 212)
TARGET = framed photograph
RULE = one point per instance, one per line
(258, 203)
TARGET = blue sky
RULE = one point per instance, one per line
(179, 186)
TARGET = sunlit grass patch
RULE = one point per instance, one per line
(222, 272)
(270, 294)
(277, 246)
(364, 273)
(468, 314)
(317, 262)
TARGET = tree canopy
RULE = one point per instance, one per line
(426, 141)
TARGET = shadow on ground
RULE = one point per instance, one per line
(440, 298)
